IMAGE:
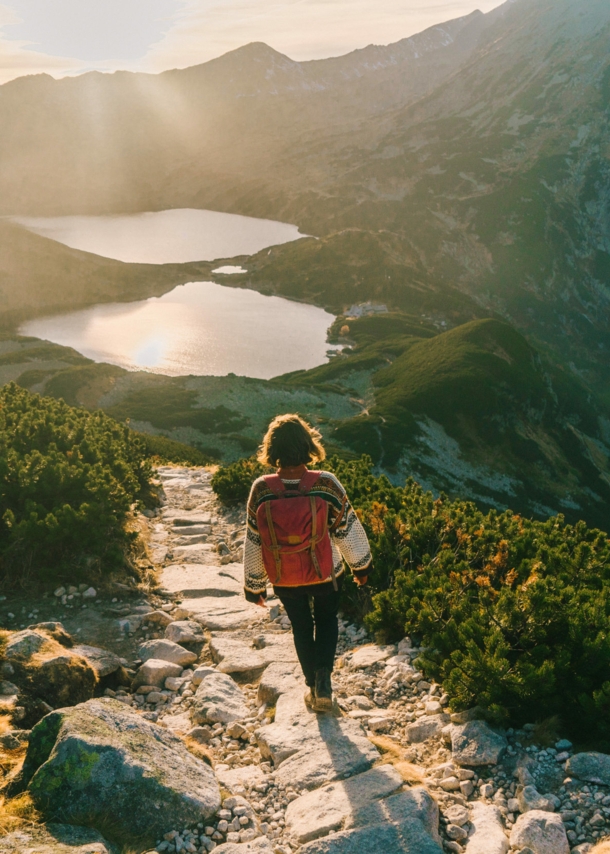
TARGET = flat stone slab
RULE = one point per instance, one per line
(55, 839)
(325, 810)
(218, 700)
(280, 678)
(234, 656)
(257, 846)
(193, 554)
(319, 750)
(198, 580)
(228, 613)
(375, 839)
(487, 835)
(368, 655)
(475, 744)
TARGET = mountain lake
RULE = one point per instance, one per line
(200, 328)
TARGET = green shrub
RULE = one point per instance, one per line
(232, 483)
(514, 613)
(68, 478)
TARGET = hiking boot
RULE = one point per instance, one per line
(324, 691)
(310, 697)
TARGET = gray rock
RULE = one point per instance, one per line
(192, 554)
(225, 613)
(475, 743)
(245, 775)
(234, 656)
(55, 839)
(327, 809)
(411, 807)
(165, 650)
(543, 832)
(157, 618)
(200, 581)
(591, 767)
(218, 700)
(184, 631)
(23, 645)
(333, 755)
(369, 655)
(375, 839)
(530, 799)
(257, 846)
(103, 661)
(155, 672)
(426, 727)
(279, 678)
(201, 672)
(100, 759)
(488, 835)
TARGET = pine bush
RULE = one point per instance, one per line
(68, 478)
(513, 613)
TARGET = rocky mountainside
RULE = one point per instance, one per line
(211, 680)
(133, 141)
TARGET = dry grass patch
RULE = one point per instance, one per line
(393, 754)
(198, 750)
(602, 847)
(17, 812)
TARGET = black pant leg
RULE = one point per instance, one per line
(299, 613)
(325, 610)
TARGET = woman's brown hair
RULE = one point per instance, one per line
(291, 441)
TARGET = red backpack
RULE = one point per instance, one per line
(293, 526)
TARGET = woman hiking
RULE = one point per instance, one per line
(300, 529)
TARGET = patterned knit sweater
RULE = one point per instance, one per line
(348, 539)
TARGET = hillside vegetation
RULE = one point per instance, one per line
(68, 479)
(513, 613)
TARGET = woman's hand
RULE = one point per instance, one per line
(261, 602)
(361, 580)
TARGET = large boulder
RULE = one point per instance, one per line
(104, 662)
(591, 767)
(475, 743)
(542, 832)
(100, 761)
(55, 839)
(48, 672)
(218, 700)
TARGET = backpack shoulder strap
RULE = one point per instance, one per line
(308, 481)
(274, 482)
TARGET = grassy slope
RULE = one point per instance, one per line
(40, 276)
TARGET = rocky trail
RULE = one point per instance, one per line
(198, 738)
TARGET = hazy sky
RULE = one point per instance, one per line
(70, 36)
